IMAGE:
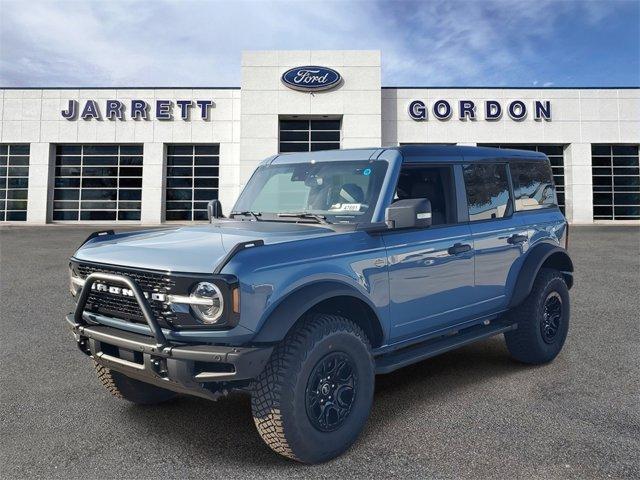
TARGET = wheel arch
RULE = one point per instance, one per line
(321, 297)
(544, 255)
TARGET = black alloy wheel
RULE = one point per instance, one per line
(551, 317)
(331, 391)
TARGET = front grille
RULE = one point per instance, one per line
(127, 308)
(148, 281)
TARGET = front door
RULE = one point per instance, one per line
(430, 269)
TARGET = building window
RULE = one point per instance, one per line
(14, 182)
(616, 182)
(192, 180)
(309, 135)
(97, 183)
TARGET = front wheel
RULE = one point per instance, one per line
(314, 396)
(543, 320)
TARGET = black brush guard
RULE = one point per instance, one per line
(184, 368)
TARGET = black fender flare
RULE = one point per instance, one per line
(556, 256)
(294, 305)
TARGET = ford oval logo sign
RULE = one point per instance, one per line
(311, 78)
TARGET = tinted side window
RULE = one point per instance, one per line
(487, 188)
(533, 185)
(434, 183)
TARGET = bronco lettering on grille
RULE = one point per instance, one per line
(126, 292)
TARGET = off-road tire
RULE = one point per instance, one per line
(279, 399)
(527, 343)
(121, 386)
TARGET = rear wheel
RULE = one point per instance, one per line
(543, 320)
(127, 388)
(314, 396)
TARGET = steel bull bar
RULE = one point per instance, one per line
(184, 368)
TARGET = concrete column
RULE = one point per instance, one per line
(41, 171)
(153, 183)
(578, 183)
(229, 176)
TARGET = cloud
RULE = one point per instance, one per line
(198, 43)
(476, 43)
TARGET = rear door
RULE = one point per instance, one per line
(498, 237)
(430, 269)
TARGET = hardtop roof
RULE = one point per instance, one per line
(411, 154)
(434, 153)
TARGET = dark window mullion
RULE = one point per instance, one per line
(286, 145)
(16, 172)
(111, 176)
(616, 190)
(188, 184)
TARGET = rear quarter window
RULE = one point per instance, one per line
(533, 186)
(487, 186)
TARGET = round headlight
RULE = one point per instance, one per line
(207, 302)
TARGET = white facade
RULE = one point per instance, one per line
(244, 123)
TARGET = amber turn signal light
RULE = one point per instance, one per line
(235, 294)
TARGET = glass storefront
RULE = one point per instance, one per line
(103, 182)
(97, 183)
(14, 182)
(616, 182)
(192, 180)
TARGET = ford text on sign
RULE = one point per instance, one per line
(311, 78)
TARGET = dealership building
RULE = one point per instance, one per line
(156, 155)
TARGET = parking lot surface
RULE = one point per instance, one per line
(471, 413)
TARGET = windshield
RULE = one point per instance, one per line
(338, 191)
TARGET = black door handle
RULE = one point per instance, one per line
(459, 248)
(514, 239)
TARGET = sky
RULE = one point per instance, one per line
(537, 43)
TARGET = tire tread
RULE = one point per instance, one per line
(108, 381)
(125, 388)
(272, 389)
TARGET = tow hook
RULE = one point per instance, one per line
(159, 365)
(83, 344)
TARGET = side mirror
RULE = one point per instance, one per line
(214, 210)
(409, 213)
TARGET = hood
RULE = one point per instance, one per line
(193, 249)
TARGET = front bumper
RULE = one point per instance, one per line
(196, 369)
(190, 369)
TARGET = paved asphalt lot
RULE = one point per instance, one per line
(472, 413)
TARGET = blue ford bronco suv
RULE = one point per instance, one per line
(331, 268)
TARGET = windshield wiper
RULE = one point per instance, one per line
(312, 216)
(255, 215)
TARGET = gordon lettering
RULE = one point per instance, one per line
(517, 110)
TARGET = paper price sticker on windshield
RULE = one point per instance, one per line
(351, 207)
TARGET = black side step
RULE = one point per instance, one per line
(416, 353)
